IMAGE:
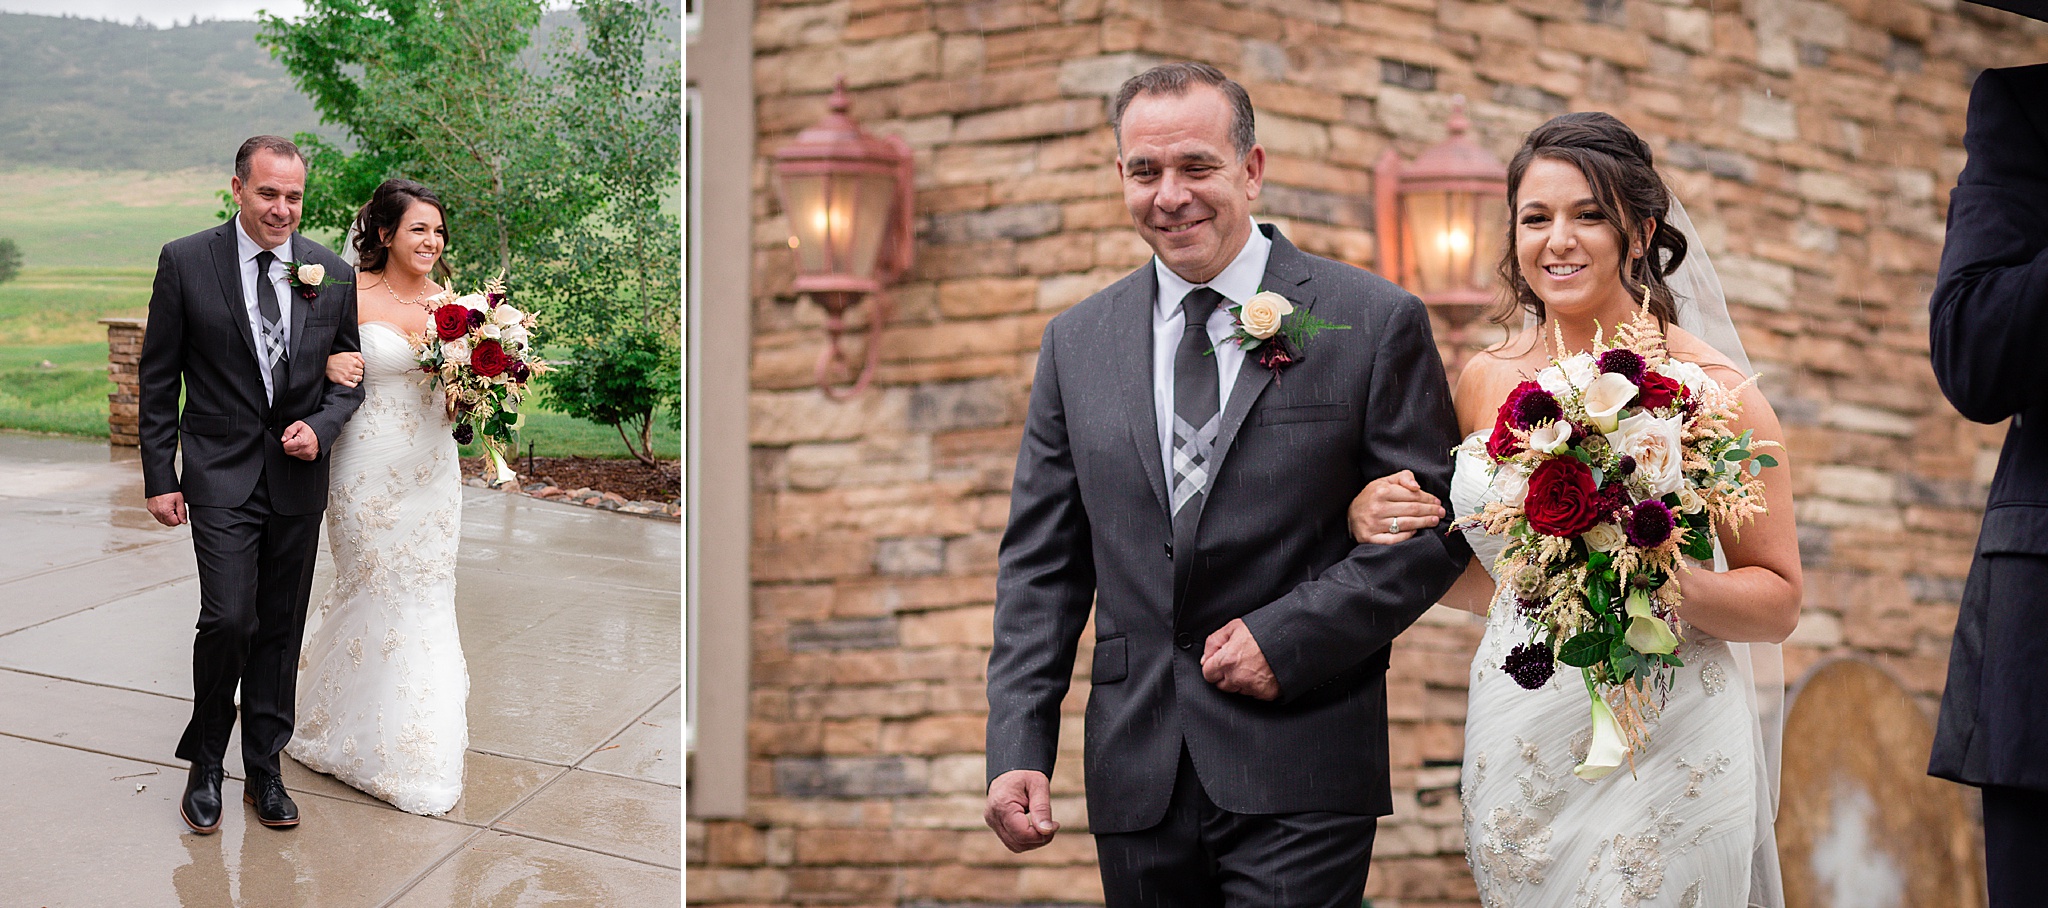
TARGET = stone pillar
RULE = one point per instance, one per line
(124, 356)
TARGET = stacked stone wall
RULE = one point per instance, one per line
(1813, 142)
(124, 359)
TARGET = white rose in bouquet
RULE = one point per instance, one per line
(1605, 537)
(1654, 442)
(1511, 485)
(1574, 372)
(1688, 374)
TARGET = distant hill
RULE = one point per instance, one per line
(86, 93)
(97, 95)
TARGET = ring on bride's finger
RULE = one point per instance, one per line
(1394, 525)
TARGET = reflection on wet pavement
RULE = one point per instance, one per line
(570, 622)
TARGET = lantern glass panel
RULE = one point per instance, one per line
(868, 200)
(805, 202)
(1490, 228)
(1440, 229)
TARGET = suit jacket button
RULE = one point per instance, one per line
(1184, 641)
(1169, 551)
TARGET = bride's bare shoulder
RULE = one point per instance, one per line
(1490, 374)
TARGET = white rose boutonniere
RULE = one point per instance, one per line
(307, 277)
(1272, 331)
(1261, 315)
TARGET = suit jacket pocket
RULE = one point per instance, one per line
(205, 424)
(323, 321)
(1112, 660)
(1304, 413)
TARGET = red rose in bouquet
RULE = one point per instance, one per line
(1562, 500)
(451, 321)
(1658, 390)
(489, 359)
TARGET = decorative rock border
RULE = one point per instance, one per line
(589, 498)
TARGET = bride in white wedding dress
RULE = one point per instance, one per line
(384, 684)
(1689, 823)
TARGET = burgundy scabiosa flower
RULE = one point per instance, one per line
(1530, 665)
(1627, 363)
(1650, 524)
(1535, 407)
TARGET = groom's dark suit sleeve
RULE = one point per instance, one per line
(1047, 583)
(1327, 626)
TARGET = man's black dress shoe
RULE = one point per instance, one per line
(200, 807)
(274, 808)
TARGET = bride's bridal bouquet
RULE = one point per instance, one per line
(479, 348)
(1609, 467)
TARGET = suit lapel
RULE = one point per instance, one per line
(1287, 274)
(300, 308)
(1131, 322)
(227, 267)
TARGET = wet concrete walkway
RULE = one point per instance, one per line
(570, 621)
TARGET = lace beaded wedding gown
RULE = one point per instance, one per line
(1679, 831)
(383, 681)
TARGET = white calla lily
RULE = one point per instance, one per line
(1605, 397)
(1551, 437)
(1646, 632)
(1609, 747)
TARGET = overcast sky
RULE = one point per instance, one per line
(161, 12)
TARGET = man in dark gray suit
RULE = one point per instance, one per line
(1193, 492)
(236, 321)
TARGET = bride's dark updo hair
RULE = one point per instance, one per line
(378, 221)
(1617, 164)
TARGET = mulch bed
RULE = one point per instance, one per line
(628, 479)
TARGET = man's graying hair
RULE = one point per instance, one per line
(1174, 80)
(277, 145)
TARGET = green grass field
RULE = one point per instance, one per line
(89, 242)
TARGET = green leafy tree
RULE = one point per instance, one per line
(613, 278)
(563, 178)
(10, 260)
(433, 90)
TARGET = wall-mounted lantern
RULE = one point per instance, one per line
(848, 196)
(1441, 220)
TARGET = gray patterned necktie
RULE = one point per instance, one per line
(1194, 406)
(274, 353)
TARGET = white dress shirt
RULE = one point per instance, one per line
(246, 250)
(1238, 281)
